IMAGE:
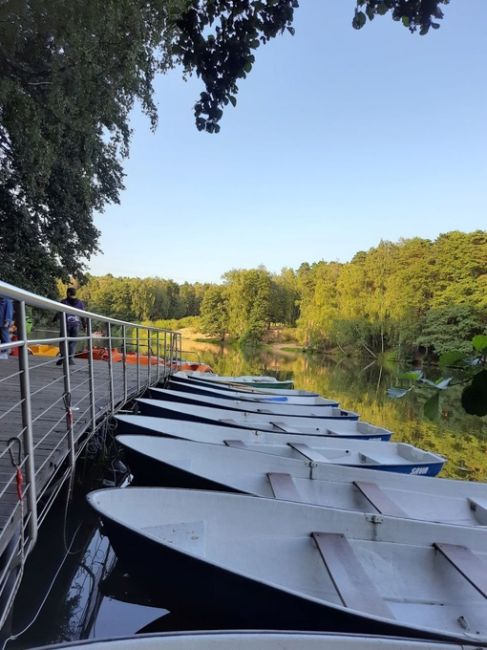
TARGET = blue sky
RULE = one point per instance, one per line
(340, 138)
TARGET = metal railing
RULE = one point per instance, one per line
(51, 404)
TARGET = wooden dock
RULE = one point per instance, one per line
(49, 416)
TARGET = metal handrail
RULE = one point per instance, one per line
(45, 440)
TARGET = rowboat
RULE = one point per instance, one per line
(185, 378)
(208, 432)
(264, 563)
(252, 406)
(254, 396)
(313, 459)
(262, 640)
(246, 380)
(336, 422)
(180, 463)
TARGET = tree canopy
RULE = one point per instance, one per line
(70, 73)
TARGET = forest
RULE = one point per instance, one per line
(398, 295)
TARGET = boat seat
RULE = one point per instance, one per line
(283, 486)
(377, 498)
(334, 432)
(283, 427)
(469, 565)
(479, 510)
(353, 585)
(308, 452)
(239, 444)
(368, 459)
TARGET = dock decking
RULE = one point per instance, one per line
(49, 416)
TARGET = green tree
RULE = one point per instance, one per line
(214, 312)
(70, 73)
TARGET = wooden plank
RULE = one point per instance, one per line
(308, 452)
(283, 486)
(381, 502)
(353, 585)
(469, 565)
(238, 444)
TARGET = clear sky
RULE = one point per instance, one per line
(340, 138)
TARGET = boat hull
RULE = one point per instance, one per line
(237, 601)
(256, 563)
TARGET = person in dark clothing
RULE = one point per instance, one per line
(73, 324)
(6, 320)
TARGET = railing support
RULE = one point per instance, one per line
(149, 366)
(28, 433)
(67, 393)
(137, 358)
(91, 376)
(110, 368)
(124, 362)
(158, 352)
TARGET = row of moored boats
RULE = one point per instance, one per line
(350, 535)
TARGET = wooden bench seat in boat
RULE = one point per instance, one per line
(239, 444)
(365, 458)
(354, 587)
(283, 427)
(308, 452)
(381, 502)
(469, 565)
(283, 486)
(479, 509)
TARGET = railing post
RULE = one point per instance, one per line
(137, 358)
(124, 362)
(158, 351)
(28, 433)
(110, 368)
(67, 393)
(149, 367)
(91, 375)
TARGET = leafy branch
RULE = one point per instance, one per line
(474, 378)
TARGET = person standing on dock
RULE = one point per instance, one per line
(6, 321)
(73, 324)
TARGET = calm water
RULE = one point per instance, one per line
(92, 597)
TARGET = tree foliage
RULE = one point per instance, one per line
(414, 14)
(70, 73)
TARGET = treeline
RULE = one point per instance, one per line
(415, 292)
(141, 299)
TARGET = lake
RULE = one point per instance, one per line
(92, 597)
(426, 417)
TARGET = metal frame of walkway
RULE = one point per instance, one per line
(48, 412)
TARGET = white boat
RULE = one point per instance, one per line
(370, 454)
(264, 563)
(188, 378)
(208, 432)
(262, 640)
(251, 406)
(246, 380)
(169, 462)
(254, 395)
(336, 422)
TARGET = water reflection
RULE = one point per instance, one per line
(361, 387)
